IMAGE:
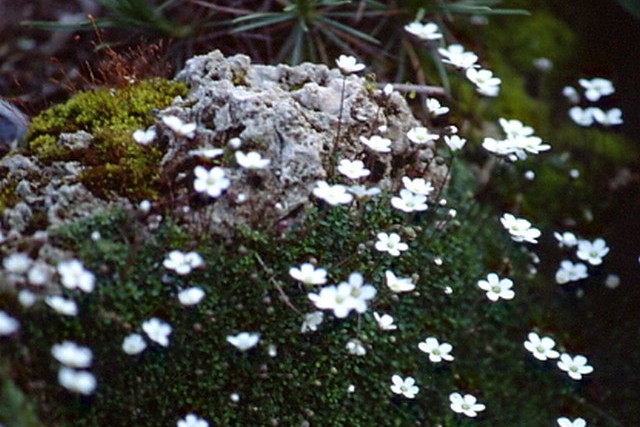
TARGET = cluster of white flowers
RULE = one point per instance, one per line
(182, 263)
(592, 252)
(73, 358)
(594, 89)
(73, 275)
(542, 348)
(518, 142)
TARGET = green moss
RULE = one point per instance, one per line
(8, 196)
(116, 164)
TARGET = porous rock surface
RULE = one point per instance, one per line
(289, 114)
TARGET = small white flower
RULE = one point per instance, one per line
(234, 397)
(235, 143)
(437, 352)
(8, 324)
(435, 108)
(207, 153)
(580, 116)
(541, 348)
(409, 202)
(566, 239)
(361, 192)
(60, 305)
(398, 284)
(308, 274)
(332, 194)
(251, 160)
(515, 129)
(390, 243)
(566, 422)
(360, 292)
(355, 347)
(467, 404)
(421, 135)
(417, 185)
(612, 281)
(70, 354)
(40, 274)
(387, 89)
(133, 344)
(336, 298)
(571, 94)
(312, 321)
(406, 387)
(497, 288)
(26, 298)
(353, 169)
(596, 88)
(212, 182)
(182, 263)
(428, 31)
(349, 64)
(17, 263)
(377, 143)
(145, 137)
(192, 420)
(244, 340)
(570, 272)
(157, 331)
(455, 55)
(385, 322)
(191, 296)
(575, 366)
(77, 381)
(73, 275)
(486, 83)
(454, 142)
(179, 127)
(144, 206)
(592, 252)
(520, 229)
(612, 117)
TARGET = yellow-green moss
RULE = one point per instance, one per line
(8, 196)
(116, 164)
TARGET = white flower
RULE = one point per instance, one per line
(208, 153)
(60, 305)
(409, 202)
(8, 324)
(244, 340)
(437, 352)
(566, 422)
(192, 420)
(575, 366)
(570, 272)
(332, 194)
(39, 274)
(421, 135)
(385, 322)
(73, 275)
(566, 239)
(353, 169)
(361, 192)
(191, 296)
(178, 126)
(580, 116)
(144, 137)
(571, 94)
(336, 298)
(596, 88)
(467, 404)
(251, 160)
(406, 387)
(515, 129)
(428, 31)
(455, 55)
(212, 182)
(612, 281)
(77, 381)
(592, 252)
(157, 331)
(26, 298)
(133, 344)
(399, 284)
(503, 147)
(497, 288)
(312, 321)
(454, 142)
(377, 143)
(17, 263)
(70, 354)
(610, 117)
(417, 185)
(355, 347)
(360, 292)
(308, 274)
(486, 83)
(390, 243)
(520, 229)
(541, 348)
(349, 64)
(182, 263)
(235, 143)
(387, 89)
(435, 108)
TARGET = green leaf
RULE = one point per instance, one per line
(349, 30)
